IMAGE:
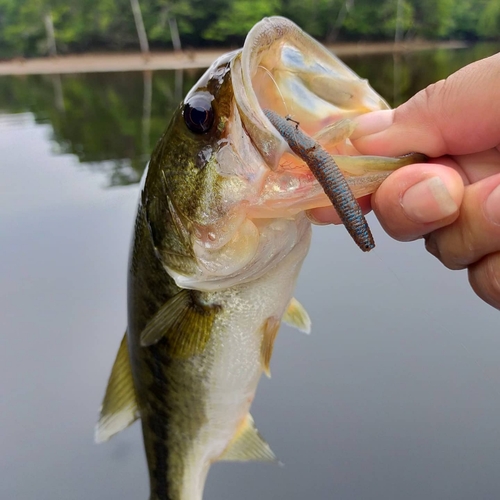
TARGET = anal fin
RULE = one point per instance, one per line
(248, 444)
(119, 408)
(295, 315)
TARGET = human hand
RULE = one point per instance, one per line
(454, 200)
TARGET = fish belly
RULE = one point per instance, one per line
(235, 358)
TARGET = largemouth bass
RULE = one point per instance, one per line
(219, 239)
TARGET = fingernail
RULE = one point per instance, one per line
(428, 201)
(371, 123)
(492, 206)
(315, 220)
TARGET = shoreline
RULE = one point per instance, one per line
(189, 59)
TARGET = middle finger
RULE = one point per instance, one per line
(476, 232)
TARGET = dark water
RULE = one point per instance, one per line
(395, 395)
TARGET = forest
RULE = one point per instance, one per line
(48, 27)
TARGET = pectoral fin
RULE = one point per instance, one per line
(185, 321)
(295, 315)
(119, 408)
(248, 444)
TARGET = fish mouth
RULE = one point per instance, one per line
(256, 220)
(283, 69)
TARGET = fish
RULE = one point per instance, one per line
(219, 239)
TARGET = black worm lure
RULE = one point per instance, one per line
(328, 174)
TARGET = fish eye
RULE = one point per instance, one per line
(198, 113)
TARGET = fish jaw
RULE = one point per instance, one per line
(283, 69)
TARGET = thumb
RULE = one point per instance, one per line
(459, 115)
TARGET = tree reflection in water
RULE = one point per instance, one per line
(101, 117)
(111, 121)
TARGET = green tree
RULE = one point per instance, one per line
(377, 20)
(434, 18)
(489, 20)
(465, 18)
(237, 20)
(24, 24)
(83, 25)
(316, 17)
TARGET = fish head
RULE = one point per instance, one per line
(199, 185)
(225, 197)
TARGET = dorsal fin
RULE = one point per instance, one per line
(119, 407)
(248, 444)
(185, 321)
(295, 315)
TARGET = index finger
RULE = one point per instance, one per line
(459, 115)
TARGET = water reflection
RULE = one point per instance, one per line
(118, 117)
(101, 117)
(397, 77)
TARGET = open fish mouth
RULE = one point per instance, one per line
(283, 69)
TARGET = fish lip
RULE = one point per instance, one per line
(268, 141)
(280, 36)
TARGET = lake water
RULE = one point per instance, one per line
(395, 395)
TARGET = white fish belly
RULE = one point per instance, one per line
(235, 348)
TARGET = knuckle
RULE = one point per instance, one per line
(432, 107)
(433, 92)
(453, 245)
(431, 245)
(430, 99)
(484, 278)
(437, 244)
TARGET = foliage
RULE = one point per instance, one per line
(82, 25)
(378, 20)
(434, 19)
(489, 20)
(239, 17)
(101, 118)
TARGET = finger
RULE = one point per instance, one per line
(418, 199)
(459, 115)
(484, 277)
(328, 215)
(478, 166)
(476, 232)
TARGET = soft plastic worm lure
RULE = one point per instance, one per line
(328, 174)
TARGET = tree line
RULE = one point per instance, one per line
(40, 27)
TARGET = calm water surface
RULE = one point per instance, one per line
(395, 395)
